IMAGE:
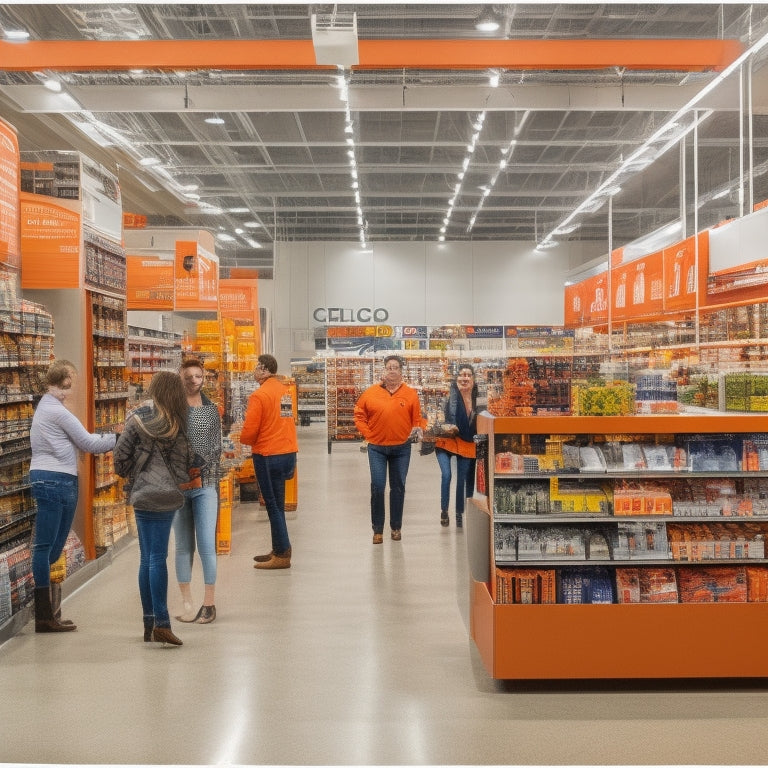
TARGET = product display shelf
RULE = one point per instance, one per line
(630, 523)
(150, 351)
(26, 345)
(310, 381)
(345, 380)
(109, 395)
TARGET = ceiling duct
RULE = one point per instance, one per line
(334, 36)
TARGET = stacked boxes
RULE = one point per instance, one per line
(224, 520)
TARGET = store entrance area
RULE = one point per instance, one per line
(359, 654)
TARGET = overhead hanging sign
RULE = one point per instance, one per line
(586, 302)
(196, 274)
(149, 283)
(680, 274)
(637, 288)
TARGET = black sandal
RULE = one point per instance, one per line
(444, 519)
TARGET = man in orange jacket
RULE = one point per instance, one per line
(388, 415)
(270, 430)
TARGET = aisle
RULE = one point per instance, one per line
(356, 655)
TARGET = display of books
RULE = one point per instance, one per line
(641, 541)
(525, 586)
(716, 541)
(585, 586)
(656, 458)
(633, 456)
(521, 498)
(591, 459)
(657, 585)
(712, 585)
(554, 542)
(714, 454)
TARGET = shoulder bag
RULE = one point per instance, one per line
(154, 487)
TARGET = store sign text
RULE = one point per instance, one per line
(345, 315)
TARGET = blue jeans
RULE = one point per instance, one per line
(272, 472)
(154, 530)
(396, 458)
(465, 479)
(55, 495)
(196, 517)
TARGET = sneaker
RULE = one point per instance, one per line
(444, 519)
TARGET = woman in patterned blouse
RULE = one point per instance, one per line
(197, 518)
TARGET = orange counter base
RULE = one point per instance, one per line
(557, 642)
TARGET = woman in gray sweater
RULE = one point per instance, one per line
(56, 436)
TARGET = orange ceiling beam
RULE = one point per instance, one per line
(83, 55)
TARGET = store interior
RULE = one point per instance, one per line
(573, 198)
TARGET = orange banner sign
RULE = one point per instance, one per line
(680, 273)
(638, 288)
(196, 277)
(586, 303)
(50, 244)
(149, 283)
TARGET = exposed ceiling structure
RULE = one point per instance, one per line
(402, 153)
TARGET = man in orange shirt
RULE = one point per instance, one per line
(270, 430)
(388, 415)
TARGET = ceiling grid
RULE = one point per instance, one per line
(280, 158)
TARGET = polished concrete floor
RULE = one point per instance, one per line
(356, 655)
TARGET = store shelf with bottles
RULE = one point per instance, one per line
(26, 346)
(627, 547)
(110, 516)
(73, 263)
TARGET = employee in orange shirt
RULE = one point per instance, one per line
(270, 430)
(458, 440)
(388, 416)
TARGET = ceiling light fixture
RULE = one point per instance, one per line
(16, 35)
(147, 162)
(53, 85)
(215, 120)
(487, 23)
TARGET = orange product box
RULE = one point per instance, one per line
(224, 529)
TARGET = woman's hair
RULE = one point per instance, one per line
(58, 372)
(465, 367)
(170, 399)
(269, 363)
(192, 362)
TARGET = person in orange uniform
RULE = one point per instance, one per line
(458, 440)
(270, 431)
(388, 415)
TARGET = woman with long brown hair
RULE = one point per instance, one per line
(156, 436)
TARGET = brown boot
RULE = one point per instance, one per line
(276, 561)
(56, 604)
(44, 621)
(270, 555)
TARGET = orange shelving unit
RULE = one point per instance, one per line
(627, 640)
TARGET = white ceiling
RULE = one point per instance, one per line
(280, 157)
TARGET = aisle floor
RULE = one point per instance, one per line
(358, 654)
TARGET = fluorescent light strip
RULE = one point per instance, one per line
(477, 127)
(343, 85)
(670, 124)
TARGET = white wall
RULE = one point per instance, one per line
(484, 283)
